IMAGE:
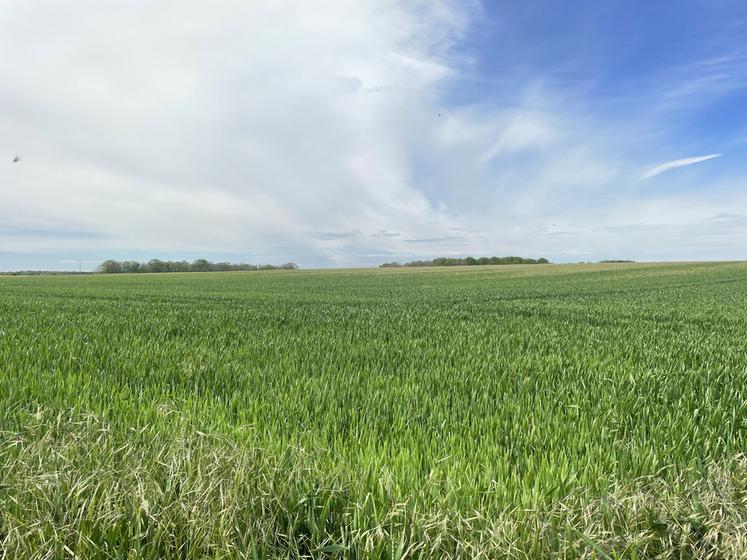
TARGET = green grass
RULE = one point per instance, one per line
(500, 412)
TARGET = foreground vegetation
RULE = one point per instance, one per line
(498, 412)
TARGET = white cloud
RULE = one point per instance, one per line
(659, 169)
(305, 131)
(235, 127)
(524, 130)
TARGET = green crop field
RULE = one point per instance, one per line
(579, 411)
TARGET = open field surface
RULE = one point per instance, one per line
(515, 411)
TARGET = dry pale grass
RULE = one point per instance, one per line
(71, 488)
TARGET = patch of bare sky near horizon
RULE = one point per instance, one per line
(301, 132)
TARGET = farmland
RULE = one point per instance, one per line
(570, 411)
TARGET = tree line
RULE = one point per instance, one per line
(468, 261)
(42, 273)
(199, 265)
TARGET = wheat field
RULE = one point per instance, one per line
(547, 411)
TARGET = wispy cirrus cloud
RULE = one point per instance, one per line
(664, 167)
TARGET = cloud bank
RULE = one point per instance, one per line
(330, 133)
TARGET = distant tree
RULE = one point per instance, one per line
(469, 261)
(199, 265)
(245, 266)
(155, 265)
(110, 267)
(130, 266)
(221, 266)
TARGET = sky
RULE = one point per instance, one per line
(355, 132)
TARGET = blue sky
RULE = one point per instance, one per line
(352, 133)
(674, 71)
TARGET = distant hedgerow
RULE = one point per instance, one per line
(199, 265)
(468, 261)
